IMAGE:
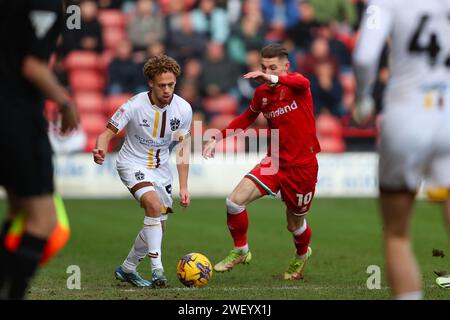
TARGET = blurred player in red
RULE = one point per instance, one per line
(291, 166)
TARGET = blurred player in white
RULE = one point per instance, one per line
(152, 120)
(415, 124)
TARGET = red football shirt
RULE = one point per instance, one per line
(288, 107)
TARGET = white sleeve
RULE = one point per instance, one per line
(121, 117)
(374, 31)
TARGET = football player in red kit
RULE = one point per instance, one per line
(290, 167)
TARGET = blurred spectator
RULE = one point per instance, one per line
(234, 10)
(248, 35)
(89, 36)
(280, 15)
(123, 73)
(188, 90)
(212, 21)
(155, 49)
(337, 48)
(110, 4)
(146, 25)
(192, 71)
(186, 43)
(320, 52)
(176, 9)
(247, 88)
(326, 90)
(219, 73)
(303, 32)
(169, 7)
(334, 10)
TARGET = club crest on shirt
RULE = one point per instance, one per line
(139, 175)
(174, 124)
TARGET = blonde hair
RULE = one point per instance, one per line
(160, 64)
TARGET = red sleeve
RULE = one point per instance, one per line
(295, 81)
(243, 121)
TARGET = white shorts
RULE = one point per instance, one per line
(160, 178)
(415, 147)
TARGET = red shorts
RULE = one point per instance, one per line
(297, 184)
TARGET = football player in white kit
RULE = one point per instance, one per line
(152, 120)
(415, 123)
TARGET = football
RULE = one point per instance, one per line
(194, 270)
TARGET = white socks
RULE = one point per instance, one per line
(148, 242)
(137, 253)
(153, 236)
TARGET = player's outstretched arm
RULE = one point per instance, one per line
(101, 146)
(293, 80)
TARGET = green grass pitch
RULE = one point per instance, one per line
(346, 240)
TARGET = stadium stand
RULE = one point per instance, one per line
(87, 70)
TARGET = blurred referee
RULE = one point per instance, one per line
(28, 34)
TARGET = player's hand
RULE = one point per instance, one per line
(258, 76)
(185, 198)
(69, 118)
(99, 156)
(209, 149)
(364, 109)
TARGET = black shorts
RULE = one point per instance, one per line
(26, 166)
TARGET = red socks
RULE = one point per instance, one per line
(302, 239)
(238, 225)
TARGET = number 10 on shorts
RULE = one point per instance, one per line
(304, 199)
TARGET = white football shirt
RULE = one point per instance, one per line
(150, 129)
(419, 51)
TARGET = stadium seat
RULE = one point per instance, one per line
(222, 104)
(93, 124)
(81, 60)
(113, 102)
(89, 102)
(112, 37)
(112, 18)
(328, 126)
(86, 80)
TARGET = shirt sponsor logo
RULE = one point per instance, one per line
(150, 142)
(280, 111)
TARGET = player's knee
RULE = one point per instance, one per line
(233, 207)
(152, 207)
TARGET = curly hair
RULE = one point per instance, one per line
(160, 64)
